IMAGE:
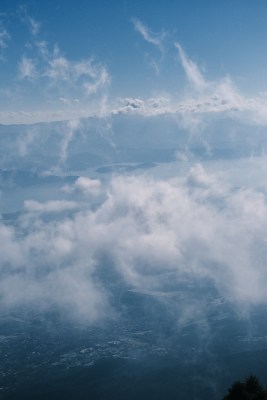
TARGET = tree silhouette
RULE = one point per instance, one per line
(252, 385)
(250, 389)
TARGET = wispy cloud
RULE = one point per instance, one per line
(27, 69)
(64, 75)
(221, 94)
(154, 38)
(4, 39)
(67, 135)
(33, 25)
(191, 69)
(64, 88)
(91, 77)
(52, 206)
(206, 97)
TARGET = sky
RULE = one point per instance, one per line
(201, 66)
(63, 59)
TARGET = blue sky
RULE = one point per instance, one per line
(59, 57)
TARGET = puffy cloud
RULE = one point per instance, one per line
(84, 185)
(153, 233)
(197, 228)
(131, 104)
(150, 106)
(87, 185)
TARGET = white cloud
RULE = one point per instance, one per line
(24, 142)
(84, 77)
(60, 114)
(210, 96)
(150, 106)
(88, 186)
(195, 228)
(85, 185)
(33, 25)
(191, 69)
(100, 77)
(72, 127)
(52, 206)
(154, 38)
(27, 69)
(4, 39)
(58, 69)
(206, 97)
(63, 88)
(66, 134)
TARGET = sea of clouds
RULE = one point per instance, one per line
(147, 232)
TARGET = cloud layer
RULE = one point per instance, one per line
(150, 233)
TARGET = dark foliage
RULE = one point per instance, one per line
(250, 389)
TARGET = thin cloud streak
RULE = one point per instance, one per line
(52, 206)
(4, 39)
(154, 38)
(33, 25)
(191, 69)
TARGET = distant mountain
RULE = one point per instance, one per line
(126, 138)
